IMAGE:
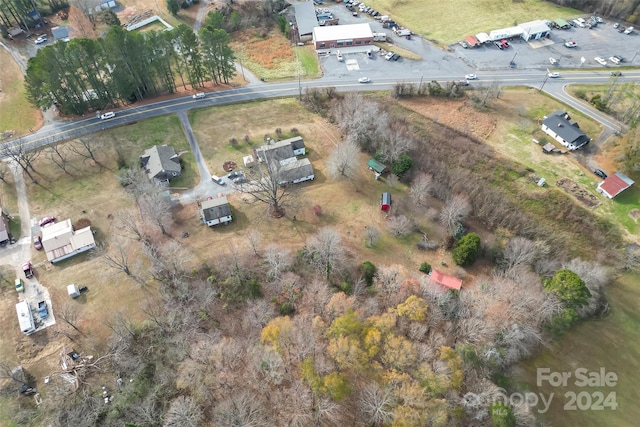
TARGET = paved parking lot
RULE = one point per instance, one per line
(602, 40)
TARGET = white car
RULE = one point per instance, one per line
(614, 60)
(628, 30)
(42, 39)
(553, 75)
(199, 95)
(339, 56)
(471, 77)
(108, 115)
(553, 61)
(600, 60)
(364, 80)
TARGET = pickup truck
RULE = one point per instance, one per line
(42, 310)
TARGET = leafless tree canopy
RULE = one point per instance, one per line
(343, 162)
(326, 250)
(399, 225)
(455, 210)
(183, 412)
(268, 185)
(420, 189)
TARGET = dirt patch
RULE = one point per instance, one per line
(229, 166)
(584, 196)
(634, 214)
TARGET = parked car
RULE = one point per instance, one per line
(370, 53)
(395, 57)
(616, 73)
(616, 25)
(42, 310)
(217, 180)
(505, 44)
(464, 44)
(621, 29)
(600, 173)
(498, 45)
(233, 175)
(463, 82)
(553, 61)
(614, 60)
(628, 30)
(37, 242)
(388, 56)
(619, 58)
(339, 56)
(108, 115)
(471, 77)
(240, 178)
(600, 60)
(364, 80)
(47, 220)
(553, 75)
(27, 268)
(19, 285)
(42, 39)
(599, 20)
(571, 44)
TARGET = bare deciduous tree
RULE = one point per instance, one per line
(520, 251)
(241, 409)
(88, 148)
(455, 210)
(69, 315)
(278, 260)
(326, 250)
(156, 209)
(22, 156)
(119, 258)
(387, 280)
(269, 185)
(255, 238)
(127, 222)
(399, 225)
(361, 120)
(344, 160)
(393, 143)
(377, 404)
(183, 412)
(420, 189)
(373, 235)
(58, 154)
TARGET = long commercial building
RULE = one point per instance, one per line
(342, 36)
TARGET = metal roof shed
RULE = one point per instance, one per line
(377, 167)
(385, 201)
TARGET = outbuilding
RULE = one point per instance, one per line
(506, 33)
(614, 185)
(25, 318)
(306, 19)
(534, 30)
(561, 23)
(449, 282)
(216, 211)
(483, 37)
(342, 36)
(385, 202)
(377, 167)
(473, 41)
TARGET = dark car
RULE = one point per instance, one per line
(600, 173)
(233, 175)
(498, 45)
(395, 57)
(47, 220)
(616, 73)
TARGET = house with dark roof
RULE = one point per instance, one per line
(161, 163)
(216, 211)
(4, 228)
(60, 33)
(275, 151)
(449, 282)
(614, 185)
(296, 171)
(567, 132)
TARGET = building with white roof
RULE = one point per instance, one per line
(342, 36)
(60, 241)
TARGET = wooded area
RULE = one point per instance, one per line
(127, 66)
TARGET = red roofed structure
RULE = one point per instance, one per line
(445, 280)
(614, 185)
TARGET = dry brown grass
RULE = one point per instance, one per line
(16, 114)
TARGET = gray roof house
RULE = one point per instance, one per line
(305, 18)
(216, 211)
(60, 33)
(297, 144)
(567, 132)
(279, 151)
(296, 171)
(161, 163)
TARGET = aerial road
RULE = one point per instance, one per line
(62, 130)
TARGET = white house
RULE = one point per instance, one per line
(295, 172)
(567, 132)
(534, 30)
(60, 241)
(216, 211)
(283, 150)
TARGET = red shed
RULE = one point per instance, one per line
(385, 201)
(473, 41)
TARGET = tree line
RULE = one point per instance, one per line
(127, 66)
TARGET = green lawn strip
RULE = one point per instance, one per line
(308, 62)
(448, 22)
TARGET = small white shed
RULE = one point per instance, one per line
(73, 291)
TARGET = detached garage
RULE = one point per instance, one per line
(534, 30)
(342, 36)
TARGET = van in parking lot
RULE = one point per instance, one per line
(108, 115)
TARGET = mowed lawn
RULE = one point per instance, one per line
(449, 21)
(17, 114)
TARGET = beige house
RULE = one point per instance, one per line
(60, 241)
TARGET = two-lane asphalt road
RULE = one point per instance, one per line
(555, 87)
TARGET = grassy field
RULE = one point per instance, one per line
(17, 115)
(273, 57)
(448, 22)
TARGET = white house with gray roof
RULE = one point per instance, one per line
(216, 211)
(161, 163)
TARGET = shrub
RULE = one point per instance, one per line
(467, 250)
(425, 267)
(317, 209)
(286, 308)
(295, 132)
(368, 270)
(233, 141)
(401, 165)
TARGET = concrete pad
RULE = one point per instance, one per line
(352, 64)
(536, 44)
